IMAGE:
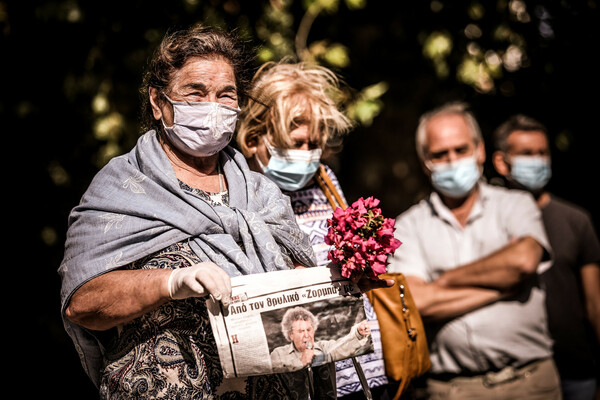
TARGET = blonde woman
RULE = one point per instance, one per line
(283, 131)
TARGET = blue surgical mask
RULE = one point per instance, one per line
(533, 172)
(455, 179)
(291, 169)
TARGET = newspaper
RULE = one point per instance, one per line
(255, 337)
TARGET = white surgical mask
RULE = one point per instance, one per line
(291, 169)
(201, 129)
(533, 172)
(455, 179)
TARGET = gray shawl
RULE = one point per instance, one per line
(135, 207)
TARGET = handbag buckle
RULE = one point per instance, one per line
(412, 334)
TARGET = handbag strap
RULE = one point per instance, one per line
(336, 200)
(362, 379)
(331, 192)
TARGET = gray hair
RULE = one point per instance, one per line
(296, 314)
(457, 108)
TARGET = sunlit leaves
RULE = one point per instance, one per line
(317, 6)
(475, 72)
(513, 58)
(436, 47)
(334, 54)
(484, 50)
(275, 29)
(49, 236)
(73, 13)
(100, 103)
(472, 31)
(368, 104)
(58, 174)
(476, 11)
(479, 69)
(265, 54)
(564, 140)
(518, 9)
(67, 11)
(109, 126)
(337, 56)
(356, 4)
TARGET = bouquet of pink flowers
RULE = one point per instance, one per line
(362, 239)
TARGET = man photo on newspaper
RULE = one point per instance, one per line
(298, 326)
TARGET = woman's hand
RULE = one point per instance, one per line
(365, 283)
(200, 280)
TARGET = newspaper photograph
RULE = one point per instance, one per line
(283, 321)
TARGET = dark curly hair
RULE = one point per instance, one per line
(178, 47)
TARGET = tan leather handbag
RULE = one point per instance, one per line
(405, 351)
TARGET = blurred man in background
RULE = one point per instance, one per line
(472, 253)
(572, 284)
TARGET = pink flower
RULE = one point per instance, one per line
(361, 238)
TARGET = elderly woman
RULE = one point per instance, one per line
(168, 224)
(283, 130)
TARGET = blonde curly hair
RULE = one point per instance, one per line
(286, 94)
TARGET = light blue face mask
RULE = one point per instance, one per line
(455, 179)
(291, 169)
(533, 172)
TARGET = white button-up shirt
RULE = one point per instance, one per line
(508, 332)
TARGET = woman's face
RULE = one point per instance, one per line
(300, 137)
(199, 80)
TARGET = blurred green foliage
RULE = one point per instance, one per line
(72, 69)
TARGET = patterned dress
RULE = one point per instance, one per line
(170, 352)
(312, 210)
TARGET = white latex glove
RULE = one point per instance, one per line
(200, 280)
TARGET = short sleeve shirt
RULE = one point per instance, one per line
(508, 332)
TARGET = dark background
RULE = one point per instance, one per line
(61, 59)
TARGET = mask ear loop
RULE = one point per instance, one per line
(162, 119)
(267, 145)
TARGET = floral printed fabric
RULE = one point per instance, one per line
(170, 353)
(135, 207)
